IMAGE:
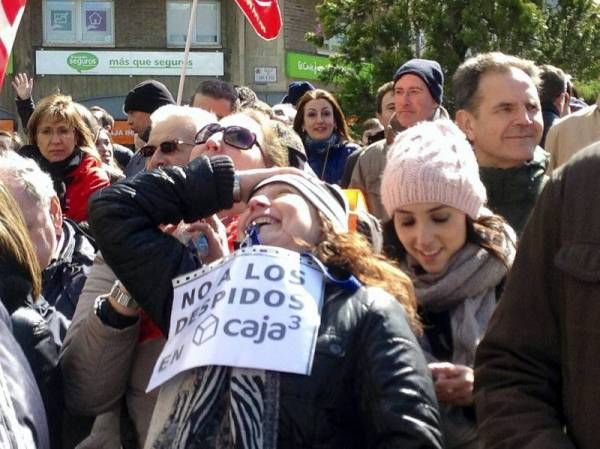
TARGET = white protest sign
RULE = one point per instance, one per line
(258, 308)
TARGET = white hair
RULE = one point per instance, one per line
(24, 173)
(199, 118)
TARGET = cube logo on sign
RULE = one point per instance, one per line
(206, 330)
(95, 20)
(61, 20)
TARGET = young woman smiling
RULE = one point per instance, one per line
(322, 126)
(368, 387)
(456, 252)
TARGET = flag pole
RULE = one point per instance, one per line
(186, 54)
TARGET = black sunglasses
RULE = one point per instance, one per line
(236, 136)
(167, 147)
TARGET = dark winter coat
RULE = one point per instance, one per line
(19, 394)
(369, 386)
(512, 192)
(537, 371)
(329, 161)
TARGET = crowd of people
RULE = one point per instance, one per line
(456, 310)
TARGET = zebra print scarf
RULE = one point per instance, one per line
(217, 407)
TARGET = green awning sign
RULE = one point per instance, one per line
(304, 65)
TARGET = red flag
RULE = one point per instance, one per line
(11, 12)
(264, 16)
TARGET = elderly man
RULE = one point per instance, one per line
(172, 136)
(65, 253)
(498, 108)
(415, 95)
(109, 322)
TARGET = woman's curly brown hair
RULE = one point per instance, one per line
(351, 252)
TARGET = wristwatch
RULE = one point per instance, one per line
(237, 189)
(122, 296)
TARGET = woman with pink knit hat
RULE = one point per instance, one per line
(455, 251)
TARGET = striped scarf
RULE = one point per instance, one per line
(217, 407)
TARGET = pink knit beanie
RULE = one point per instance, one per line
(432, 162)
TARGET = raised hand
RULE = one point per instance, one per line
(23, 86)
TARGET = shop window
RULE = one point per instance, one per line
(79, 22)
(207, 29)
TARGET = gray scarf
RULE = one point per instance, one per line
(467, 288)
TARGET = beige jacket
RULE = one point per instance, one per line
(101, 365)
(572, 133)
(366, 176)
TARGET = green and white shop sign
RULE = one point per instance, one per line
(49, 62)
(304, 65)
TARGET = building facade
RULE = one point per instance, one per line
(96, 51)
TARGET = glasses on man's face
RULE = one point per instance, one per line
(235, 136)
(170, 146)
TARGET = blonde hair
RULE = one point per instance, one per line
(275, 153)
(58, 107)
(16, 248)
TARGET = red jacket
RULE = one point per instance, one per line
(85, 179)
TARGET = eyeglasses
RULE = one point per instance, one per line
(170, 146)
(236, 136)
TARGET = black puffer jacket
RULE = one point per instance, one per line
(369, 387)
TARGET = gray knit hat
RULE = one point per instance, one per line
(327, 198)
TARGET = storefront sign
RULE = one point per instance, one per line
(304, 66)
(259, 308)
(126, 63)
(265, 75)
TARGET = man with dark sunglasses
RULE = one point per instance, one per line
(115, 327)
(172, 135)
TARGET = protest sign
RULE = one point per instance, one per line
(258, 308)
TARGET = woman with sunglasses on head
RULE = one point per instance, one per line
(322, 126)
(63, 145)
(368, 386)
(456, 252)
(251, 140)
